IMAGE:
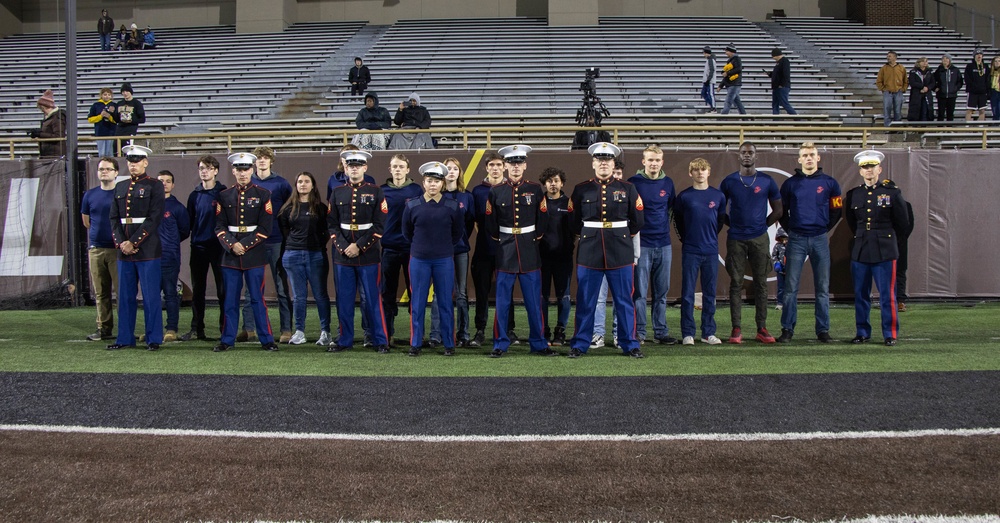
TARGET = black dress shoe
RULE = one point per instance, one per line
(449, 352)
(414, 352)
(222, 347)
(890, 342)
(270, 347)
(119, 346)
(824, 337)
(336, 348)
(545, 352)
(153, 347)
(497, 353)
(860, 339)
(382, 349)
(574, 353)
(636, 353)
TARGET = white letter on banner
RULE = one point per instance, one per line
(14, 258)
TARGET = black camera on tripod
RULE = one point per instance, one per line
(587, 85)
(593, 109)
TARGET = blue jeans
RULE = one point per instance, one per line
(708, 94)
(168, 284)
(779, 99)
(995, 104)
(105, 148)
(733, 100)
(106, 43)
(308, 269)
(892, 107)
(817, 248)
(708, 266)
(461, 301)
(280, 288)
(653, 268)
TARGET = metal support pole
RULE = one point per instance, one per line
(73, 186)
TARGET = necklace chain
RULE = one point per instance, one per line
(751, 181)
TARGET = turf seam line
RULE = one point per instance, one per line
(527, 438)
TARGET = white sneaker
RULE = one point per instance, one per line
(777, 307)
(712, 340)
(298, 338)
(324, 338)
(688, 340)
(615, 341)
(597, 341)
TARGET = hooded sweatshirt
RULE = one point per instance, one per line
(413, 116)
(373, 118)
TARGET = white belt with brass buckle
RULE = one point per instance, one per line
(242, 228)
(130, 221)
(517, 230)
(355, 226)
(605, 225)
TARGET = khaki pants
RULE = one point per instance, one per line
(104, 276)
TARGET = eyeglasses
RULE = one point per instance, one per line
(107, 170)
(203, 169)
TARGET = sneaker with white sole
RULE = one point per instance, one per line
(712, 340)
(324, 338)
(688, 340)
(597, 341)
(298, 338)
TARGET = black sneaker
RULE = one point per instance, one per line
(559, 338)
(478, 339)
(545, 352)
(414, 351)
(382, 349)
(636, 353)
(824, 337)
(512, 336)
(336, 348)
(574, 353)
(368, 343)
(119, 346)
(667, 340)
(222, 347)
(153, 347)
(860, 339)
(497, 353)
(463, 342)
(890, 342)
(449, 352)
(270, 347)
(432, 343)
(786, 336)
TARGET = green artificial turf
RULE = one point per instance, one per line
(934, 337)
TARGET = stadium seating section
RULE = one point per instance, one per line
(518, 77)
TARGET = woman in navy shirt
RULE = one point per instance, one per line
(432, 259)
(454, 188)
(303, 226)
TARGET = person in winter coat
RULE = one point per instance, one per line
(53, 126)
(947, 83)
(359, 77)
(921, 80)
(128, 114)
(977, 84)
(732, 81)
(105, 28)
(104, 124)
(372, 117)
(412, 116)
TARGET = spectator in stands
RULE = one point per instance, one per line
(359, 77)
(104, 124)
(454, 188)
(53, 126)
(121, 38)
(584, 139)
(708, 79)
(395, 249)
(947, 83)
(128, 114)
(280, 191)
(372, 117)
(206, 251)
(412, 116)
(995, 87)
(95, 209)
(148, 38)
(921, 80)
(134, 40)
(891, 80)
(174, 228)
(977, 84)
(303, 225)
(811, 205)
(105, 28)
(732, 81)
(781, 82)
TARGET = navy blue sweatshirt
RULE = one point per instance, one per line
(281, 191)
(698, 215)
(558, 238)
(201, 213)
(485, 244)
(174, 228)
(425, 223)
(395, 199)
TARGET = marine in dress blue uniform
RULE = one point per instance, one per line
(357, 219)
(516, 217)
(243, 219)
(607, 213)
(135, 218)
(876, 214)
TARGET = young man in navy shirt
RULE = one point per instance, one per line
(395, 248)
(699, 213)
(96, 210)
(811, 206)
(749, 192)
(483, 264)
(174, 228)
(206, 251)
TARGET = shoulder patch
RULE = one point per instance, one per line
(489, 207)
(267, 207)
(384, 207)
(569, 206)
(544, 207)
(836, 202)
(638, 203)
(218, 208)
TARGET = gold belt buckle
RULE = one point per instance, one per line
(607, 225)
(354, 227)
(868, 226)
(516, 230)
(242, 228)
(128, 221)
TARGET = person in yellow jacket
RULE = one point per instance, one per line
(891, 80)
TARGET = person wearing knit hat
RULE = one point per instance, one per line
(948, 82)
(128, 114)
(412, 115)
(732, 81)
(781, 82)
(53, 126)
(359, 77)
(708, 79)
